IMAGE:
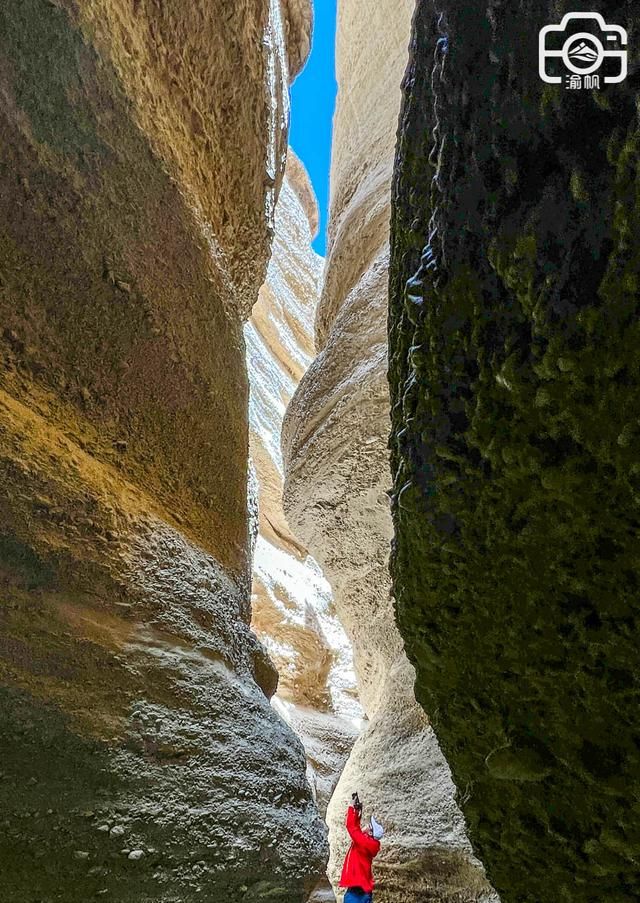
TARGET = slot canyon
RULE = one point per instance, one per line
(276, 527)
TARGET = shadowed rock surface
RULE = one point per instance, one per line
(337, 475)
(142, 150)
(514, 380)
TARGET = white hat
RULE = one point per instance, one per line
(376, 829)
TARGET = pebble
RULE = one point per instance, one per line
(80, 854)
(135, 854)
(116, 831)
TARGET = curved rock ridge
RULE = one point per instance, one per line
(298, 179)
(513, 327)
(364, 131)
(299, 25)
(337, 478)
(292, 607)
(206, 100)
(141, 758)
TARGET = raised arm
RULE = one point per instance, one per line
(358, 836)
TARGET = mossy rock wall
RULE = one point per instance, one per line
(515, 382)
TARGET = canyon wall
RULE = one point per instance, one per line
(142, 152)
(515, 391)
(337, 477)
(292, 606)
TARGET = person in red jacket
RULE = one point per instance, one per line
(357, 875)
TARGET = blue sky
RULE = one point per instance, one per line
(312, 102)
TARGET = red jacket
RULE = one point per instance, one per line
(356, 871)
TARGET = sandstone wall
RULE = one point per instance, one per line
(337, 477)
(142, 149)
(298, 19)
(292, 607)
(514, 377)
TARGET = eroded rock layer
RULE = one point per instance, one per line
(514, 378)
(140, 755)
(337, 477)
(292, 607)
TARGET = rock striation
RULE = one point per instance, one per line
(292, 606)
(514, 381)
(142, 151)
(337, 477)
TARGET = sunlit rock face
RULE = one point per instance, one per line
(213, 106)
(140, 756)
(516, 404)
(337, 477)
(292, 606)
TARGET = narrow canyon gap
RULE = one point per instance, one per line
(292, 605)
(514, 376)
(337, 476)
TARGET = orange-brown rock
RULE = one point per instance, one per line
(142, 150)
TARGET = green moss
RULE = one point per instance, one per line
(23, 565)
(578, 187)
(516, 436)
(46, 56)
